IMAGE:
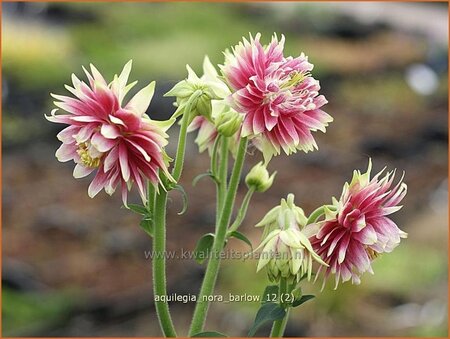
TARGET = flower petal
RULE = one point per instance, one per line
(140, 102)
(81, 171)
(123, 160)
(101, 143)
(66, 152)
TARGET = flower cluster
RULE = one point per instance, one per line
(355, 229)
(264, 96)
(120, 142)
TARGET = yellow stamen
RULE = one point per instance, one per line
(372, 254)
(86, 159)
(294, 79)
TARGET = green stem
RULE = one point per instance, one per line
(159, 242)
(280, 325)
(214, 156)
(159, 265)
(209, 280)
(242, 211)
(151, 193)
(316, 214)
(222, 176)
(179, 159)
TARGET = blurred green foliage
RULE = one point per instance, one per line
(33, 311)
(39, 62)
(148, 33)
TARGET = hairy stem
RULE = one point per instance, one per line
(280, 325)
(151, 193)
(214, 154)
(179, 159)
(159, 265)
(209, 280)
(222, 176)
(159, 242)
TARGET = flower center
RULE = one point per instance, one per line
(293, 79)
(86, 158)
(278, 90)
(372, 254)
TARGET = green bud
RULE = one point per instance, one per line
(228, 122)
(209, 92)
(258, 178)
(287, 254)
(287, 239)
(203, 106)
(184, 90)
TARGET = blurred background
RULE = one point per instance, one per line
(73, 266)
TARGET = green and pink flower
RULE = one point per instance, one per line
(118, 142)
(277, 94)
(357, 228)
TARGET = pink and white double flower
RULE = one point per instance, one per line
(120, 142)
(277, 94)
(357, 228)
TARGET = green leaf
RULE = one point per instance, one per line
(269, 312)
(201, 176)
(270, 294)
(184, 196)
(147, 225)
(203, 247)
(209, 334)
(302, 300)
(139, 209)
(240, 236)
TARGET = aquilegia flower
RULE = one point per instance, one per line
(357, 228)
(206, 125)
(120, 142)
(277, 94)
(287, 252)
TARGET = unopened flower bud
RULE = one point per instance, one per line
(185, 89)
(286, 249)
(287, 254)
(284, 215)
(228, 122)
(258, 178)
(203, 106)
